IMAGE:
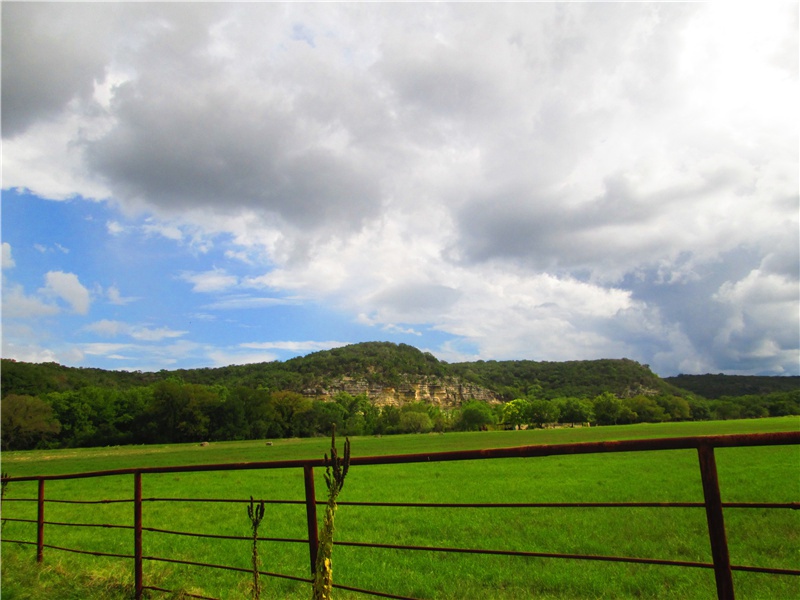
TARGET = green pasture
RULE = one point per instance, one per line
(757, 537)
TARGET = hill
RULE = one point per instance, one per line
(373, 388)
(731, 386)
(373, 368)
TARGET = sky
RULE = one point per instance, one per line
(198, 185)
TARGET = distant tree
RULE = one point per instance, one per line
(415, 422)
(26, 421)
(516, 412)
(304, 419)
(700, 409)
(642, 409)
(389, 420)
(475, 415)
(574, 410)
(329, 415)
(752, 407)
(543, 411)
(725, 409)
(607, 409)
(675, 407)
(286, 404)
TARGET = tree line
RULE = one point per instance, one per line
(173, 410)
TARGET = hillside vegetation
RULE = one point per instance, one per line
(382, 363)
(362, 389)
(721, 386)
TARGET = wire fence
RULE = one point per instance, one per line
(704, 446)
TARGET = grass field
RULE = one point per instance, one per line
(757, 537)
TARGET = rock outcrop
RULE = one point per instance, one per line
(445, 393)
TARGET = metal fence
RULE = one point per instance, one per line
(704, 446)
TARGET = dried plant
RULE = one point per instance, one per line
(256, 514)
(336, 469)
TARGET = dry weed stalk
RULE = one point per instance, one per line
(256, 514)
(335, 472)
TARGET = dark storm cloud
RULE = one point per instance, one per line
(44, 63)
(182, 147)
(613, 232)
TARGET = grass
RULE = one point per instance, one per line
(756, 537)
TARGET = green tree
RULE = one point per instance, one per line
(543, 411)
(389, 420)
(329, 415)
(415, 422)
(516, 412)
(475, 415)
(286, 405)
(26, 421)
(607, 409)
(675, 407)
(644, 409)
(700, 409)
(574, 410)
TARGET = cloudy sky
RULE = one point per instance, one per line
(200, 184)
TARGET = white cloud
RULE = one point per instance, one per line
(147, 334)
(223, 358)
(104, 349)
(110, 328)
(16, 305)
(762, 319)
(238, 302)
(67, 287)
(8, 261)
(215, 280)
(115, 297)
(114, 228)
(171, 232)
(294, 346)
(29, 353)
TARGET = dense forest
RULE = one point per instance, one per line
(49, 405)
(721, 386)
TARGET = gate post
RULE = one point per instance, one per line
(716, 523)
(311, 516)
(137, 534)
(40, 523)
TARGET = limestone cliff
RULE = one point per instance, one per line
(449, 392)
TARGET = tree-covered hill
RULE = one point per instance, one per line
(362, 389)
(380, 363)
(720, 386)
(580, 378)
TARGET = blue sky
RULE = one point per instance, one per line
(203, 184)
(142, 297)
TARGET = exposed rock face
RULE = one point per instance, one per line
(445, 393)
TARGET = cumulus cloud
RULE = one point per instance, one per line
(215, 280)
(242, 301)
(116, 297)
(41, 74)
(762, 319)
(67, 287)
(18, 305)
(8, 261)
(294, 346)
(538, 180)
(110, 328)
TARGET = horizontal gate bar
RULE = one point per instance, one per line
(684, 443)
